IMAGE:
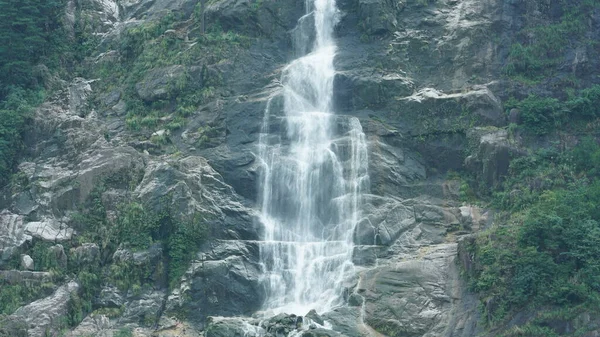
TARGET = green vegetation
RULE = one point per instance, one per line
(12, 296)
(136, 228)
(542, 47)
(162, 43)
(124, 332)
(34, 49)
(15, 113)
(31, 33)
(542, 115)
(546, 251)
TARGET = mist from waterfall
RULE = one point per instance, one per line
(314, 172)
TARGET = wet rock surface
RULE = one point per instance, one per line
(422, 77)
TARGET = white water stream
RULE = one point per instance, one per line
(313, 176)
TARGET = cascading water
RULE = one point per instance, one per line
(313, 175)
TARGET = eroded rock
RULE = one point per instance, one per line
(45, 315)
(493, 153)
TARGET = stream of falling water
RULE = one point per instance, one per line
(314, 172)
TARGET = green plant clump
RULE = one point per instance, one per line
(542, 115)
(546, 254)
(542, 47)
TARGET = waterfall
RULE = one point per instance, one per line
(314, 172)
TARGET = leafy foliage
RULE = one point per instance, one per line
(15, 112)
(30, 33)
(12, 296)
(162, 43)
(136, 228)
(32, 45)
(547, 253)
(542, 115)
(542, 47)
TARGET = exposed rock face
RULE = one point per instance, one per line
(421, 76)
(27, 262)
(420, 297)
(45, 315)
(222, 281)
(492, 157)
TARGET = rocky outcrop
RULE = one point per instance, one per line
(422, 78)
(420, 297)
(46, 315)
(159, 83)
(222, 281)
(493, 152)
(193, 186)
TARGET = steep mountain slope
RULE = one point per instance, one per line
(134, 209)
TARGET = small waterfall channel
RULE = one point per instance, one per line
(314, 173)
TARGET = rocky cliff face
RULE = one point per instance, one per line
(426, 80)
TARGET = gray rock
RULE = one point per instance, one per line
(43, 316)
(346, 321)
(378, 17)
(314, 316)
(58, 255)
(223, 281)
(161, 83)
(514, 116)
(355, 300)
(49, 230)
(320, 332)
(368, 88)
(151, 256)
(25, 277)
(27, 262)
(479, 101)
(93, 325)
(79, 91)
(111, 98)
(86, 253)
(195, 188)
(366, 255)
(144, 310)
(110, 297)
(492, 155)
(271, 18)
(232, 327)
(154, 9)
(12, 234)
(392, 168)
(427, 296)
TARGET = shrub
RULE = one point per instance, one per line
(546, 251)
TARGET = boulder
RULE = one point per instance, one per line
(58, 255)
(345, 320)
(320, 332)
(110, 297)
(79, 91)
(196, 188)
(232, 327)
(27, 262)
(25, 277)
(92, 325)
(87, 253)
(493, 151)
(145, 309)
